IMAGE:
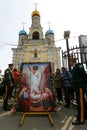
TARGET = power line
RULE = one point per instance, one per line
(10, 43)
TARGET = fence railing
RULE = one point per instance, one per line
(80, 53)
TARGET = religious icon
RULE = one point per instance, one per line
(36, 88)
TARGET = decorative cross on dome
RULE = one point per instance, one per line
(36, 5)
(23, 24)
(49, 23)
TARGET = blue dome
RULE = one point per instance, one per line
(49, 32)
(22, 32)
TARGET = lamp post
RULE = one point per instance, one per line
(66, 37)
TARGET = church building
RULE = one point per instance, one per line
(36, 46)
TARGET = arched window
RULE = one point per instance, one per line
(35, 53)
(35, 35)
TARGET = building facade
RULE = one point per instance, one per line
(36, 46)
(83, 48)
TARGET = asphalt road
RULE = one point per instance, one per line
(62, 120)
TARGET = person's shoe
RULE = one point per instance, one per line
(61, 102)
(9, 106)
(56, 109)
(86, 117)
(6, 108)
(77, 122)
(67, 106)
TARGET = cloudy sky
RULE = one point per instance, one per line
(62, 14)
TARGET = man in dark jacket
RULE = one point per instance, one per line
(9, 85)
(79, 82)
(66, 84)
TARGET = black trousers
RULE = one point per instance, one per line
(67, 93)
(80, 105)
(8, 92)
(59, 94)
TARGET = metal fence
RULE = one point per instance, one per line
(79, 53)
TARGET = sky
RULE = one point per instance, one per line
(62, 15)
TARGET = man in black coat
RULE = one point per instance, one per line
(9, 86)
(79, 83)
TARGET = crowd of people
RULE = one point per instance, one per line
(72, 86)
(79, 83)
(68, 85)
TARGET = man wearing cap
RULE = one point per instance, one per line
(9, 86)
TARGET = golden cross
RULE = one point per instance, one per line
(36, 5)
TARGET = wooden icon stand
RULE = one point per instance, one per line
(36, 113)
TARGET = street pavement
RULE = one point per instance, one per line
(62, 120)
